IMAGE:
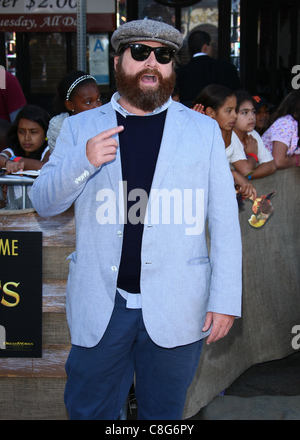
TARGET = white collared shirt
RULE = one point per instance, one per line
(133, 300)
(199, 54)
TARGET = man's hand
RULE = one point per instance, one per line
(103, 147)
(221, 324)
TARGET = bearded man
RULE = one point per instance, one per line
(145, 174)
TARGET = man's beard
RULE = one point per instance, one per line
(142, 98)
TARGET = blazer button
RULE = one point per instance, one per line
(114, 268)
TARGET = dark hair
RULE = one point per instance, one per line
(63, 87)
(32, 113)
(289, 106)
(242, 96)
(213, 96)
(196, 41)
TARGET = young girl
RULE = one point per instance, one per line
(76, 93)
(259, 161)
(219, 103)
(27, 147)
(282, 137)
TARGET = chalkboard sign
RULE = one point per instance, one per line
(20, 294)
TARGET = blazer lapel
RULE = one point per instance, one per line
(108, 119)
(173, 132)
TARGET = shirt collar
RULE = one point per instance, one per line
(199, 54)
(116, 106)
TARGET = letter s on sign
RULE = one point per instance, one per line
(10, 293)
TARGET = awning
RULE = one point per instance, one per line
(55, 16)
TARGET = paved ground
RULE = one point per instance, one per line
(268, 391)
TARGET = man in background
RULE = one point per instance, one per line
(202, 70)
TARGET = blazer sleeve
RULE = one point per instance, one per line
(64, 176)
(225, 235)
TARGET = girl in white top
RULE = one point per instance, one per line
(219, 103)
(258, 161)
(27, 146)
(27, 149)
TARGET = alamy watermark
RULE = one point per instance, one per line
(296, 339)
(2, 338)
(296, 79)
(2, 78)
(162, 206)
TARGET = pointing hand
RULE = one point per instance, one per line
(103, 147)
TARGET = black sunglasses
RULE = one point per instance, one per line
(140, 52)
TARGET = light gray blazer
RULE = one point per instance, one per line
(180, 279)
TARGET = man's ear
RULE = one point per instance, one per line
(208, 49)
(116, 60)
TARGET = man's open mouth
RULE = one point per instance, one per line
(149, 79)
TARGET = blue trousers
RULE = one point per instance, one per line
(99, 378)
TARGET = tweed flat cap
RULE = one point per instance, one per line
(146, 30)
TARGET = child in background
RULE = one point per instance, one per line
(262, 113)
(282, 137)
(219, 103)
(245, 138)
(76, 93)
(27, 148)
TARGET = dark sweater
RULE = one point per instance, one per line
(139, 147)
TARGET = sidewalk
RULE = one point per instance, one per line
(268, 391)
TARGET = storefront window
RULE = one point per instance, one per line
(154, 11)
(235, 33)
(10, 49)
(121, 12)
(48, 54)
(204, 15)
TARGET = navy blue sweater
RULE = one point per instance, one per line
(139, 147)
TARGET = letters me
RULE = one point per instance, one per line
(9, 248)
